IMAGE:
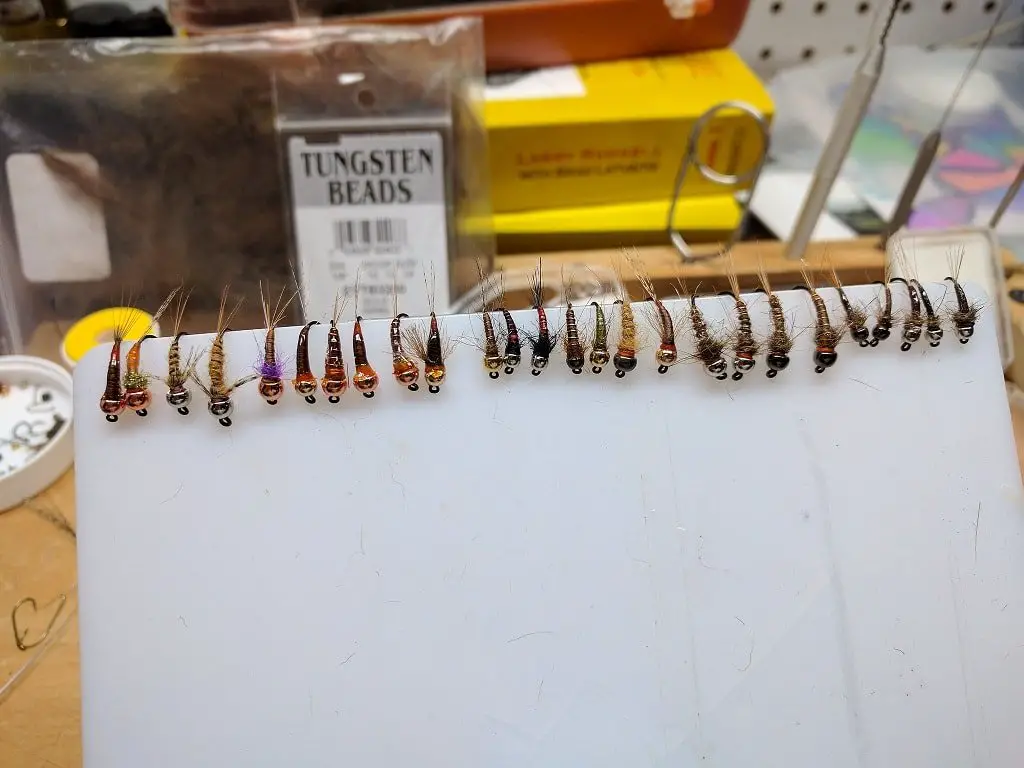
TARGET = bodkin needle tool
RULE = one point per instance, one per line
(848, 120)
(930, 145)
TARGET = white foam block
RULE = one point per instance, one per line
(560, 571)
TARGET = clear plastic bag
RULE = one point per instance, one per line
(133, 165)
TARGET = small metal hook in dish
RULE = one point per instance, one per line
(19, 634)
(690, 158)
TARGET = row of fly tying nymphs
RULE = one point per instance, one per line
(219, 391)
(179, 371)
(708, 346)
(575, 354)
(403, 367)
(513, 346)
(662, 322)
(921, 309)
(624, 360)
(137, 396)
(304, 382)
(883, 320)
(270, 367)
(493, 359)
(964, 314)
(856, 317)
(826, 335)
(780, 340)
(429, 344)
(364, 378)
(921, 314)
(933, 326)
(599, 355)
(335, 380)
(921, 317)
(744, 345)
(133, 392)
(913, 320)
(542, 342)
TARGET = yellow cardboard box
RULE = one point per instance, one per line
(703, 218)
(614, 133)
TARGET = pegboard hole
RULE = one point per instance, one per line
(807, 54)
(990, 6)
(907, 7)
(820, 8)
(948, 6)
(366, 98)
(849, 49)
(863, 8)
(765, 54)
(776, 7)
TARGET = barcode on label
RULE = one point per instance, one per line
(369, 233)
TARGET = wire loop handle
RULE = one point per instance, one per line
(690, 158)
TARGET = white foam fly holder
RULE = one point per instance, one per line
(563, 570)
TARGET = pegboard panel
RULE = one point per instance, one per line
(780, 33)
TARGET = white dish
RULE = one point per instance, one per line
(35, 427)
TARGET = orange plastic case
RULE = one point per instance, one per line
(518, 34)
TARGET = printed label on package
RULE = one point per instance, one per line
(371, 204)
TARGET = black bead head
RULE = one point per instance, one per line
(826, 359)
(625, 364)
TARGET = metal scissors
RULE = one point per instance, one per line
(725, 179)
